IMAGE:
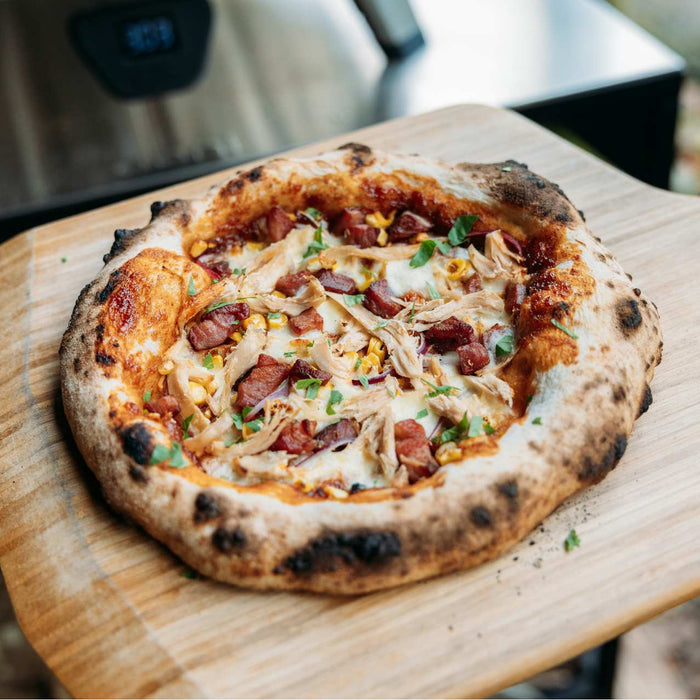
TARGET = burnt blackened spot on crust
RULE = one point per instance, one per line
(581, 214)
(138, 474)
(226, 539)
(121, 239)
(104, 359)
(157, 208)
(592, 472)
(480, 516)
(509, 489)
(513, 164)
(100, 332)
(628, 315)
(619, 393)
(326, 553)
(356, 148)
(254, 174)
(113, 281)
(137, 442)
(76, 365)
(646, 401)
(206, 507)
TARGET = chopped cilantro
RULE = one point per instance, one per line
(218, 305)
(317, 245)
(64, 259)
(188, 573)
(537, 421)
(364, 381)
(426, 250)
(173, 455)
(208, 362)
(455, 432)
(310, 345)
(146, 396)
(186, 426)
(488, 428)
(432, 291)
(290, 353)
(437, 390)
(274, 315)
(311, 385)
(504, 346)
(476, 426)
(422, 413)
(461, 229)
(528, 399)
(566, 330)
(413, 312)
(572, 540)
(391, 393)
(366, 270)
(381, 324)
(237, 420)
(191, 289)
(358, 362)
(239, 270)
(315, 214)
(335, 398)
(246, 411)
(352, 299)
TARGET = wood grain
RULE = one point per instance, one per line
(109, 610)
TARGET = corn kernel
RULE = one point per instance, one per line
(198, 393)
(255, 245)
(211, 386)
(207, 413)
(351, 358)
(377, 219)
(303, 486)
(335, 492)
(279, 295)
(327, 261)
(278, 322)
(449, 452)
(376, 347)
(314, 264)
(293, 217)
(368, 278)
(422, 237)
(217, 361)
(455, 268)
(256, 321)
(370, 360)
(167, 367)
(198, 247)
(236, 336)
(382, 238)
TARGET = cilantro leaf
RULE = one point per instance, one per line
(424, 253)
(364, 381)
(455, 432)
(146, 396)
(422, 413)
(313, 213)
(317, 245)
(254, 425)
(335, 398)
(461, 229)
(218, 305)
(237, 420)
(572, 540)
(489, 429)
(173, 455)
(239, 270)
(208, 362)
(381, 324)
(64, 259)
(246, 411)
(290, 353)
(311, 385)
(537, 421)
(437, 390)
(186, 426)
(160, 454)
(191, 289)
(274, 315)
(566, 330)
(432, 291)
(358, 362)
(352, 299)
(476, 426)
(413, 312)
(504, 346)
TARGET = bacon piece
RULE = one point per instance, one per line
(164, 405)
(217, 269)
(274, 226)
(297, 437)
(351, 216)
(263, 379)
(301, 369)
(408, 225)
(308, 320)
(515, 295)
(332, 282)
(214, 327)
(362, 235)
(450, 334)
(473, 284)
(413, 449)
(378, 299)
(472, 357)
(338, 431)
(292, 283)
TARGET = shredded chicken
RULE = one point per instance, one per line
(507, 262)
(312, 295)
(486, 267)
(242, 358)
(214, 431)
(321, 355)
(179, 387)
(261, 440)
(402, 252)
(354, 338)
(454, 407)
(438, 310)
(266, 466)
(491, 384)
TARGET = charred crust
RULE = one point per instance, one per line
(255, 174)
(227, 539)
(509, 489)
(138, 474)
(628, 315)
(137, 442)
(372, 549)
(592, 471)
(206, 507)
(647, 399)
(157, 208)
(121, 241)
(481, 516)
(581, 214)
(356, 148)
(114, 279)
(619, 393)
(103, 359)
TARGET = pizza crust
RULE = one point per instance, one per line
(589, 392)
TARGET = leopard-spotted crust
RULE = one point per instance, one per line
(587, 391)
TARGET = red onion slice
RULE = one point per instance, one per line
(513, 244)
(338, 443)
(280, 392)
(378, 378)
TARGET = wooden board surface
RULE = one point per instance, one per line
(110, 611)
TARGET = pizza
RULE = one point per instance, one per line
(352, 371)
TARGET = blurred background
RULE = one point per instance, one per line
(107, 99)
